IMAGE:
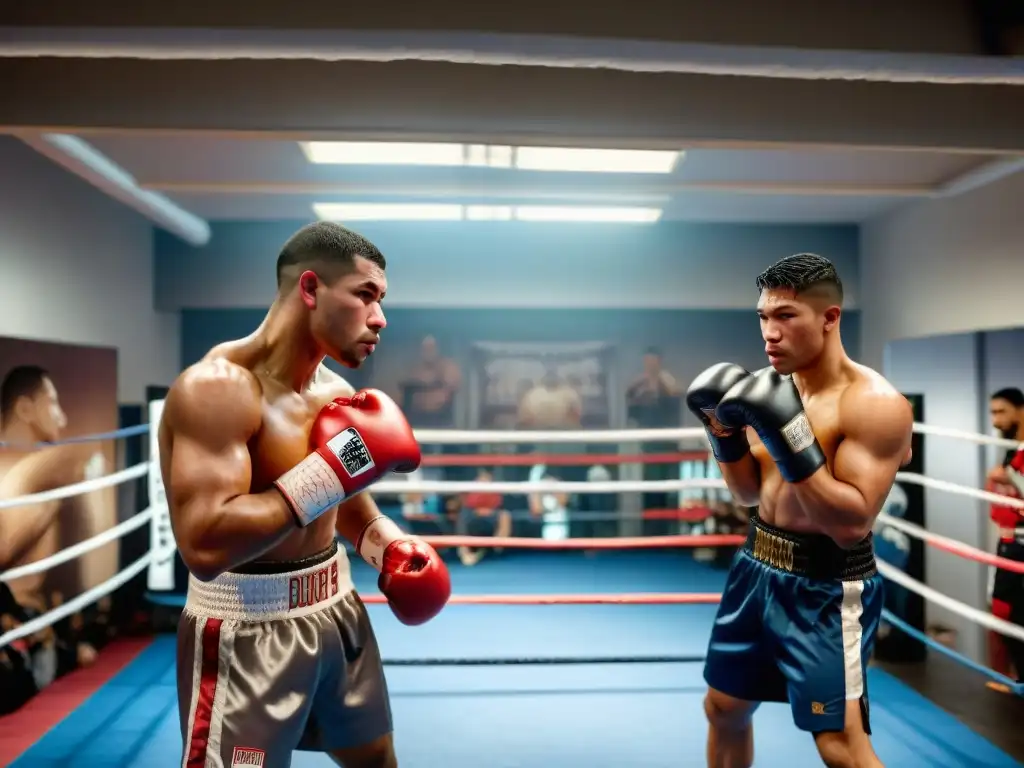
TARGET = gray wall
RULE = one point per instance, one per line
(947, 371)
(78, 268)
(515, 264)
(690, 340)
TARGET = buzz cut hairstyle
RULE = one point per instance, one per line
(21, 381)
(325, 244)
(803, 273)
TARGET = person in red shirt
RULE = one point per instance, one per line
(1006, 655)
(482, 515)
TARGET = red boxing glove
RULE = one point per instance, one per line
(355, 442)
(1015, 472)
(413, 577)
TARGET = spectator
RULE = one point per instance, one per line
(551, 510)
(653, 402)
(425, 513)
(482, 514)
(430, 387)
(1006, 655)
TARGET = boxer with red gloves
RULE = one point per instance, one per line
(1006, 655)
(266, 456)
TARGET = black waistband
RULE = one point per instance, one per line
(809, 554)
(272, 567)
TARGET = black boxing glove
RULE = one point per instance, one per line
(770, 404)
(703, 397)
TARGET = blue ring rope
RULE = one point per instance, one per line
(117, 434)
(933, 644)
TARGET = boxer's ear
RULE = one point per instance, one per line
(308, 282)
(831, 315)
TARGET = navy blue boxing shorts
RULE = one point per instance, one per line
(797, 623)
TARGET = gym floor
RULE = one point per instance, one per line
(531, 716)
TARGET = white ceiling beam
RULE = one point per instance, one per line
(491, 49)
(508, 105)
(594, 190)
(77, 156)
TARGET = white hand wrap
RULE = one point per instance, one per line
(311, 488)
(374, 539)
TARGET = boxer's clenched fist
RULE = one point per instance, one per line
(355, 441)
(702, 398)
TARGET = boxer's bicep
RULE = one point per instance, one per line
(878, 430)
(211, 418)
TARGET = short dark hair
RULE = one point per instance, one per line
(21, 381)
(325, 243)
(802, 272)
(1012, 395)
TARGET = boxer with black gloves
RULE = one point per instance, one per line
(266, 455)
(803, 600)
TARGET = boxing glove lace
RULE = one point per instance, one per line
(770, 404)
(413, 577)
(702, 398)
(355, 441)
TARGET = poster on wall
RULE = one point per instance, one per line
(51, 393)
(520, 382)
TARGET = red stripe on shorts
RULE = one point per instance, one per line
(210, 651)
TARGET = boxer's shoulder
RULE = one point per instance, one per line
(214, 390)
(871, 402)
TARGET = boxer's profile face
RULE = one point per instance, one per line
(41, 412)
(1005, 417)
(794, 328)
(346, 317)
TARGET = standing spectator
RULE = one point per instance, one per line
(653, 402)
(1006, 655)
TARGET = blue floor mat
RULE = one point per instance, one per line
(533, 716)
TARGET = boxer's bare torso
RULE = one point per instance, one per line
(31, 532)
(279, 420)
(833, 412)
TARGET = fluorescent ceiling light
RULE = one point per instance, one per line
(488, 212)
(441, 212)
(387, 212)
(595, 160)
(399, 153)
(596, 215)
(382, 153)
(566, 159)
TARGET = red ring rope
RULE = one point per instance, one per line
(558, 459)
(970, 553)
(619, 542)
(652, 598)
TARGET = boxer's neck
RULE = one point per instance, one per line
(19, 434)
(290, 356)
(826, 371)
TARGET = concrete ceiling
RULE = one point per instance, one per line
(795, 111)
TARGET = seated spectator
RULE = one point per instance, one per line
(551, 510)
(425, 514)
(482, 514)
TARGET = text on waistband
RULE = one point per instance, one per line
(776, 551)
(314, 587)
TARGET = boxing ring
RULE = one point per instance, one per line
(552, 651)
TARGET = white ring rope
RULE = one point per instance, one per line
(545, 487)
(954, 606)
(959, 490)
(86, 486)
(449, 437)
(510, 437)
(75, 550)
(71, 606)
(970, 437)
